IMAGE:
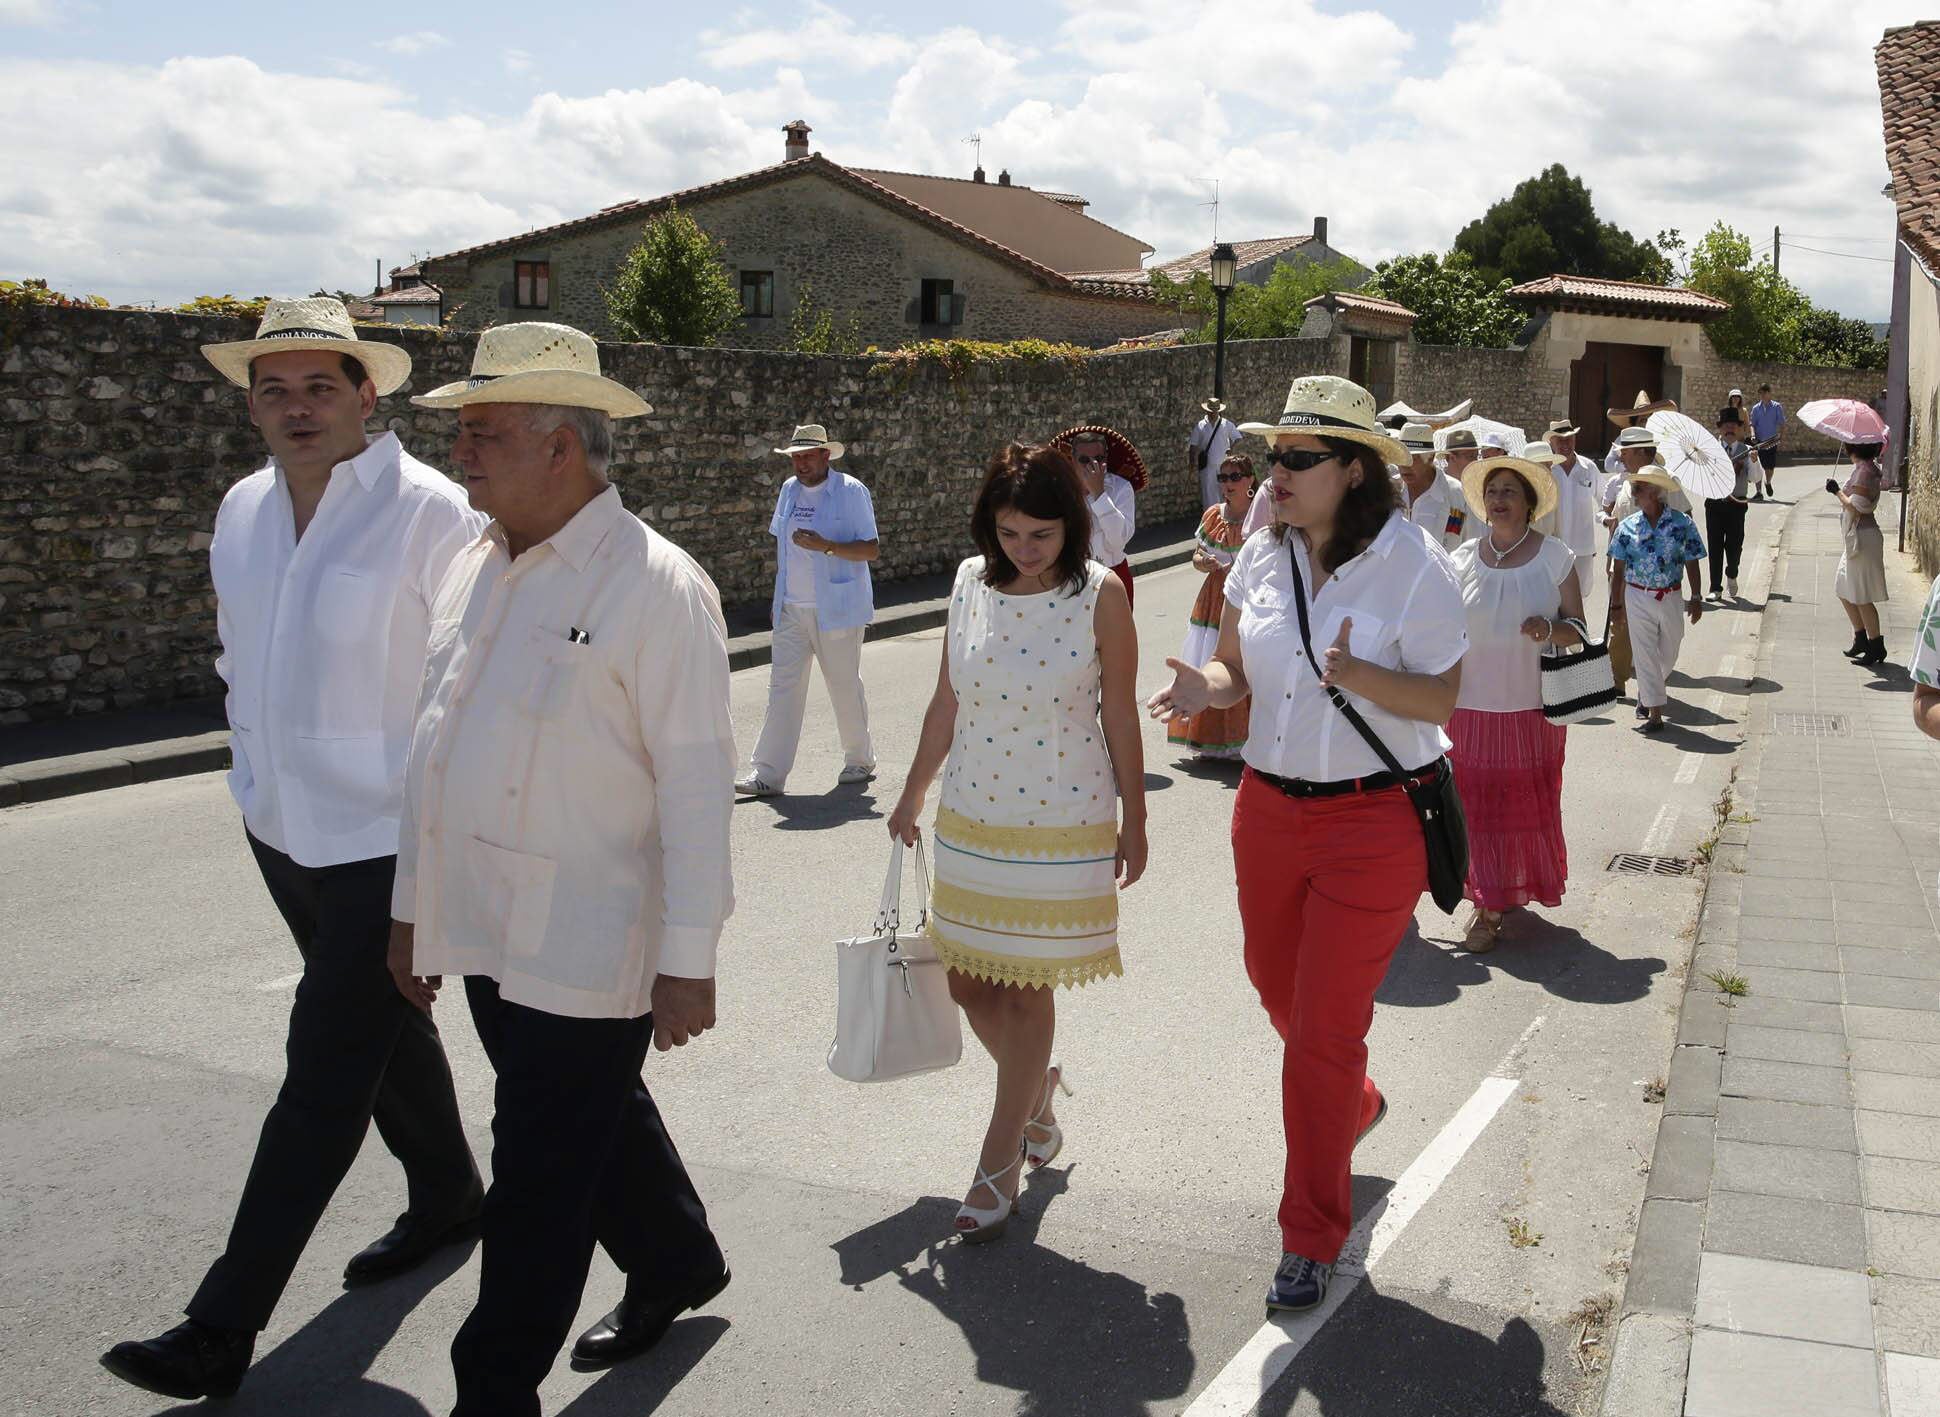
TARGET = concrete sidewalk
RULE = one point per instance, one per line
(61, 757)
(1788, 1252)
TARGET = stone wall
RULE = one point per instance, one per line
(117, 441)
(1923, 417)
(1509, 385)
(859, 257)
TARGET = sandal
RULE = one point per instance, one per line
(979, 1225)
(1043, 1153)
(1482, 932)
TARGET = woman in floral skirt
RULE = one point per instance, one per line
(1215, 732)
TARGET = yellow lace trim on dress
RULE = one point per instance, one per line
(1043, 918)
(1076, 971)
(1098, 839)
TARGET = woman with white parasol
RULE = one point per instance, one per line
(1861, 581)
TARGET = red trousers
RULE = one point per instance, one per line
(1327, 886)
(1123, 570)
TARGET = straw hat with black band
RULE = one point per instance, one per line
(1541, 484)
(813, 438)
(1641, 409)
(538, 363)
(1418, 439)
(315, 322)
(1327, 406)
(1561, 428)
(1656, 476)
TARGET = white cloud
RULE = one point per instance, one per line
(416, 42)
(824, 35)
(516, 61)
(28, 12)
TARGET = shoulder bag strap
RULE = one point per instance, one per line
(1340, 700)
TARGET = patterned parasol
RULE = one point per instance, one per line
(1120, 456)
(1690, 454)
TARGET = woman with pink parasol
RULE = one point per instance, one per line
(1861, 581)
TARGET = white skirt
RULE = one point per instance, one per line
(1862, 569)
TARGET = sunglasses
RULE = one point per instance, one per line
(1085, 461)
(1235, 477)
(1298, 459)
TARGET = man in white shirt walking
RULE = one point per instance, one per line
(1574, 520)
(1435, 500)
(825, 538)
(565, 848)
(1212, 438)
(325, 563)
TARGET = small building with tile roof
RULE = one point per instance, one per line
(1258, 259)
(906, 256)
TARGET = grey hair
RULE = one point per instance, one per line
(593, 429)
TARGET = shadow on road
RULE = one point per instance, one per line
(796, 812)
(1222, 771)
(637, 1388)
(320, 1368)
(1423, 974)
(1065, 1336)
(1723, 683)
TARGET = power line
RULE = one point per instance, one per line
(1867, 240)
(1843, 255)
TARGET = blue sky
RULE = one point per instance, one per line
(207, 147)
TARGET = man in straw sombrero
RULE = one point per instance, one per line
(825, 539)
(1113, 474)
(1652, 549)
(1212, 437)
(567, 803)
(1633, 417)
(325, 563)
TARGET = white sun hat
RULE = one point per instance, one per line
(811, 437)
(1540, 452)
(315, 322)
(1418, 438)
(538, 363)
(1541, 481)
(1327, 406)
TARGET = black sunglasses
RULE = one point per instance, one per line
(1098, 461)
(1298, 459)
(1235, 477)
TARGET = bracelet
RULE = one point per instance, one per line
(1549, 630)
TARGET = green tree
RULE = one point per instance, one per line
(1452, 302)
(673, 288)
(1827, 337)
(812, 329)
(1765, 307)
(1275, 310)
(1549, 225)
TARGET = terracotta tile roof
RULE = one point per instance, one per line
(1593, 293)
(410, 295)
(1368, 310)
(1063, 199)
(1250, 253)
(813, 165)
(1908, 62)
(1125, 277)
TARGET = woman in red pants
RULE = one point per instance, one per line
(1328, 849)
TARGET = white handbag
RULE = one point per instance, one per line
(1580, 685)
(894, 1015)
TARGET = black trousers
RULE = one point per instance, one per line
(356, 1051)
(579, 1155)
(1724, 533)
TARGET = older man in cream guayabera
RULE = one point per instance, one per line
(825, 537)
(325, 564)
(565, 849)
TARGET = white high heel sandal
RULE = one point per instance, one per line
(1043, 1153)
(984, 1225)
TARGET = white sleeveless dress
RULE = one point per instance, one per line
(1027, 822)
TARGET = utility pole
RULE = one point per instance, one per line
(1774, 250)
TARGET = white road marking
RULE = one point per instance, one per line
(288, 981)
(1738, 624)
(1687, 770)
(1239, 1386)
(1728, 667)
(1715, 701)
(1659, 835)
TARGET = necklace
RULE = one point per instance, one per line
(1501, 556)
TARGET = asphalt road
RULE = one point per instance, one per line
(148, 980)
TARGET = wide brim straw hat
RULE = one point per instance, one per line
(1541, 481)
(1214, 406)
(1639, 436)
(1561, 428)
(1644, 406)
(315, 322)
(813, 438)
(1120, 456)
(1657, 475)
(1328, 406)
(1417, 438)
(537, 362)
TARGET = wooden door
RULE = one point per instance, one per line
(1609, 376)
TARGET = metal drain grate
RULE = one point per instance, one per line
(1631, 863)
(1813, 725)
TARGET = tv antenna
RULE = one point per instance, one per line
(1214, 204)
(976, 142)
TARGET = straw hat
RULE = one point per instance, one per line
(1418, 439)
(1644, 405)
(1214, 406)
(1540, 452)
(1326, 406)
(1476, 476)
(538, 363)
(1656, 475)
(1121, 458)
(812, 436)
(316, 322)
(1459, 440)
(1639, 436)
(1561, 428)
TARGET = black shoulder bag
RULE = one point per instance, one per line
(1444, 827)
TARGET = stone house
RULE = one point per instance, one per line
(907, 256)
(408, 299)
(1908, 62)
(1258, 260)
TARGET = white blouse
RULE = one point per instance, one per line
(1503, 671)
(1405, 603)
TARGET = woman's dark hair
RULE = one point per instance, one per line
(1868, 451)
(1529, 498)
(1040, 482)
(1238, 460)
(1364, 508)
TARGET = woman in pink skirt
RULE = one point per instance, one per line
(1518, 587)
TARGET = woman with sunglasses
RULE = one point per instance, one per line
(1216, 733)
(1328, 849)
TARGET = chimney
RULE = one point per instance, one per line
(1320, 230)
(977, 176)
(1003, 178)
(796, 145)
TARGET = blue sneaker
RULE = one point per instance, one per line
(1298, 1284)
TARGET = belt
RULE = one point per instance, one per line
(1659, 591)
(1375, 782)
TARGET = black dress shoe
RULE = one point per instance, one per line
(641, 1321)
(1299, 1284)
(190, 1360)
(406, 1245)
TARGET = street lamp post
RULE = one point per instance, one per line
(1225, 268)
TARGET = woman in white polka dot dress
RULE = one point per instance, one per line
(1034, 728)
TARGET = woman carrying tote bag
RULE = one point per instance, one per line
(1520, 589)
(1034, 726)
(1330, 853)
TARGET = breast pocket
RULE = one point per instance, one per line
(347, 608)
(552, 686)
(1368, 636)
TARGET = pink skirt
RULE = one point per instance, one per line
(1509, 770)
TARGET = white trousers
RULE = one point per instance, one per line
(797, 641)
(1656, 634)
(1586, 576)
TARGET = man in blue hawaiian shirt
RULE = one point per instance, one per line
(1650, 551)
